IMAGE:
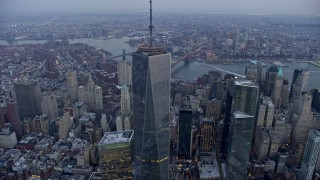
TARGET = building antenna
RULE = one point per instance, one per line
(150, 26)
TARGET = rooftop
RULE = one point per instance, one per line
(209, 168)
(245, 83)
(241, 115)
(116, 137)
(151, 51)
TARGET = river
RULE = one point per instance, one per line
(191, 70)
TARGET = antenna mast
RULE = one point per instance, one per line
(150, 26)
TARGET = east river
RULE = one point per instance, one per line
(189, 70)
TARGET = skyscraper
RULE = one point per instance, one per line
(311, 155)
(151, 107)
(185, 133)
(51, 70)
(285, 93)
(28, 98)
(207, 135)
(124, 120)
(299, 83)
(64, 124)
(277, 88)
(262, 143)
(124, 73)
(14, 118)
(151, 73)
(2, 122)
(240, 135)
(49, 106)
(253, 71)
(271, 74)
(125, 100)
(243, 108)
(245, 97)
(72, 85)
(316, 99)
(302, 120)
(115, 155)
(265, 112)
(91, 95)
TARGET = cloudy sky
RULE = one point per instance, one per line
(236, 6)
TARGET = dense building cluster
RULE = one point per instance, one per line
(68, 111)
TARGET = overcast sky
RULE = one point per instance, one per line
(236, 6)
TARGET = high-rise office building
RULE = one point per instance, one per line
(240, 140)
(282, 127)
(245, 97)
(72, 85)
(262, 143)
(98, 98)
(253, 71)
(213, 109)
(28, 98)
(115, 155)
(277, 88)
(185, 133)
(218, 89)
(285, 93)
(227, 84)
(315, 99)
(49, 106)
(302, 120)
(38, 124)
(243, 108)
(64, 124)
(124, 120)
(51, 70)
(104, 123)
(299, 83)
(2, 122)
(207, 136)
(311, 155)
(124, 73)
(271, 74)
(226, 124)
(265, 112)
(151, 69)
(14, 118)
(79, 109)
(125, 100)
(151, 75)
(275, 142)
(91, 95)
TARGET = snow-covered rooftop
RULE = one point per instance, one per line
(116, 137)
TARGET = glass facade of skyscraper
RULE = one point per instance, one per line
(115, 155)
(241, 131)
(151, 106)
(242, 123)
(185, 132)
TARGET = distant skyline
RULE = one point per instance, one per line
(223, 6)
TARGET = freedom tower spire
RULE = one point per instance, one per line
(150, 26)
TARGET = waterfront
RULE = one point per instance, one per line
(112, 45)
(190, 70)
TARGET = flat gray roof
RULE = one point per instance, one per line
(116, 137)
